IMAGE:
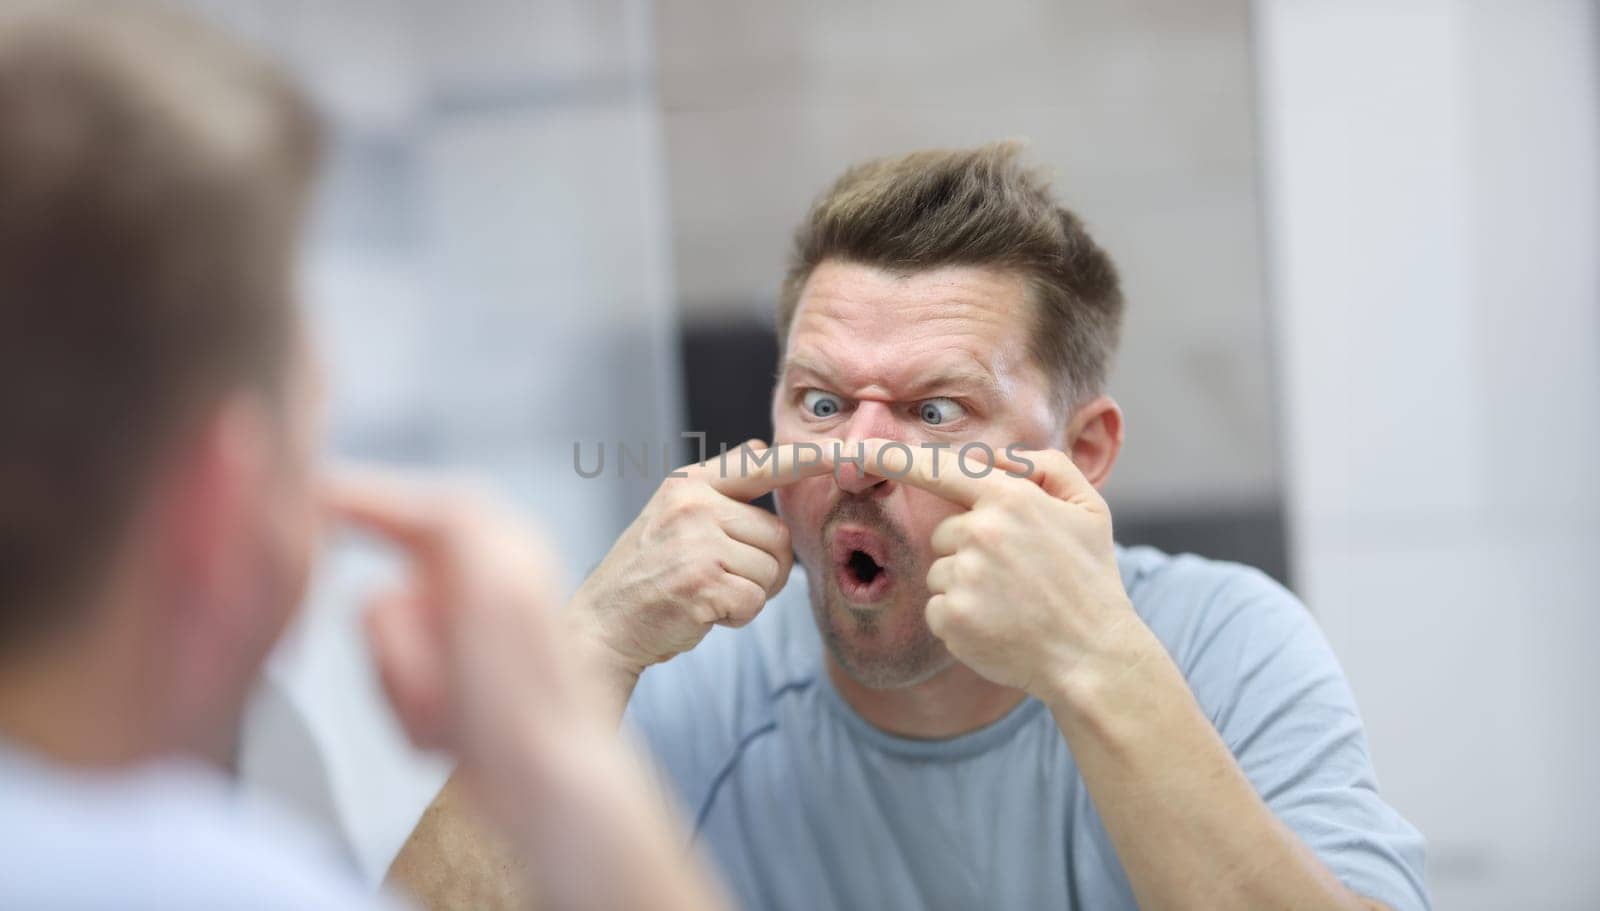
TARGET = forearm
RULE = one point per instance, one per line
(595, 837)
(1188, 826)
(614, 677)
(598, 836)
(454, 859)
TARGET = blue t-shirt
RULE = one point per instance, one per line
(805, 805)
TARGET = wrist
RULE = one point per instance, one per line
(1111, 678)
(595, 642)
(613, 673)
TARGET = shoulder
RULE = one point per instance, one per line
(1262, 670)
(1159, 581)
(164, 836)
(1247, 646)
(1196, 605)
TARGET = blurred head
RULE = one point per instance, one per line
(155, 391)
(942, 297)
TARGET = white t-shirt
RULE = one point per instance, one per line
(167, 835)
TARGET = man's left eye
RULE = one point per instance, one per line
(939, 411)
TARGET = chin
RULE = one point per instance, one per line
(880, 646)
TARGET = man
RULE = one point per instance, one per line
(158, 512)
(987, 704)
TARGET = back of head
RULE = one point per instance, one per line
(152, 177)
(973, 207)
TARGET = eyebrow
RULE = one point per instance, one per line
(941, 378)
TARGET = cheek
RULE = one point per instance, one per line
(924, 512)
(786, 428)
(802, 506)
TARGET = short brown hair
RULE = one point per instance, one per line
(974, 207)
(152, 180)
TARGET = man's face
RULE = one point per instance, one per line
(939, 356)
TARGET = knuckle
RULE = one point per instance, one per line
(686, 506)
(986, 528)
(957, 613)
(1013, 495)
(676, 508)
(951, 616)
(671, 491)
(781, 579)
(772, 566)
(1049, 459)
(696, 579)
(785, 556)
(705, 574)
(967, 567)
(740, 602)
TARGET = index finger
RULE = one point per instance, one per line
(382, 503)
(937, 470)
(754, 469)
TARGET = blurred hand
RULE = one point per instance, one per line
(468, 649)
(474, 661)
(698, 554)
(1025, 587)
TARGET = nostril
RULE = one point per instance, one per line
(853, 479)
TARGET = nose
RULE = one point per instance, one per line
(852, 479)
(871, 420)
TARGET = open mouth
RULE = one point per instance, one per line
(861, 565)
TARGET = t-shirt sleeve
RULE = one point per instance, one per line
(1263, 671)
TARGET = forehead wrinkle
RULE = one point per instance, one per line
(899, 331)
(949, 366)
(913, 311)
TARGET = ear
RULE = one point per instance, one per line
(206, 508)
(205, 496)
(1094, 439)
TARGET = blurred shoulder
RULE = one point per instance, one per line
(166, 836)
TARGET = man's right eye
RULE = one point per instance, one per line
(819, 404)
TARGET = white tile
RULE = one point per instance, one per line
(1471, 658)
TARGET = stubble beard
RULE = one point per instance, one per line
(885, 646)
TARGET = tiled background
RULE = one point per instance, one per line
(1434, 179)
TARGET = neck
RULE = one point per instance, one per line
(952, 702)
(76, 700)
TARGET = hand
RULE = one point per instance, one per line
(1025, 587)
(468, 649)
(698, 554)
(475, 662)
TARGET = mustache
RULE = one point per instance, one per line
(868, 512)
